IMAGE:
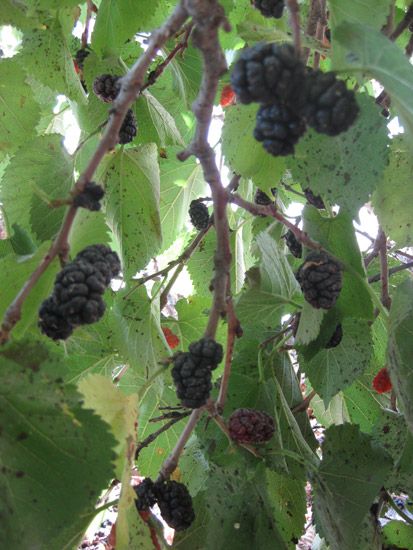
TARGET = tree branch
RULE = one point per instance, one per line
(376, 278)
(172, 461)
(85, 34)
(295, 23)
(384, 270)
(208, 16)
(151, 438)
(131, 84)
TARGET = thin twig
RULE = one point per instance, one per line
(179, 48)
(208, 16)
(303, 406)
(131, 84)
(234, 330)
(295, 24)
(321, 24)
(151, 438)
(271, 210)
(402, 26)
(384, 270)
(374, 251)
(85, 34)
(376, 278)
(311, 27)
(172, 461)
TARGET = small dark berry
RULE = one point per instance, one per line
(146, 494)
(198, 212)
(293, 245)
(128, 130)
(270, 8)
(107, 87)
(336, 337)
(175, 504)
(314, 200)
(90, 197)
(320, 278)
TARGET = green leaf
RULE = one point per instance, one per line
(181, 182)
(39, 172)
(338, 237)
(398, 534)
(393, 197)
(52, 449)
(345, 169)
(131, 179)
(88, 228)
(14, 273)
(49, 42)
(192, 320)
(137, 331)
(116, 409)
(333, 369)
(371, 52)
(400, 348)
(349, 477)
(160, 119)
(243, 153)
(118, 21)
(19, 112)
(21, 241)
(309, 325)
(370, 13)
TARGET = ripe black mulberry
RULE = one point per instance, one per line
(250, 426)
(270, 8)
(90, 197)
(279, 129)
(129, 129)
(198, 212)
(293, 245)
(207, 352)
(77, 293)
(175, 504)
(192, 379)
(314, 200)
(336, 337)
(268, 73)
(146, 494)
(330, 108)
(320, 278)
(107, 87)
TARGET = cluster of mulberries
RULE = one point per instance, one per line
(106, 87)
(173, 499)
(77, 295)
(290, 95)
(191, 372)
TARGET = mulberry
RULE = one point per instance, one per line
(268, 73)
(262, 198)
(270, 8)
(175, 504)
(336, 337)
(320, 279)
(207, 352)
(146, 494)
(128, 130)
(90, 197)
(198, 212)
(330, 108)
(293, 245)
(77, 294)
(279, 128)
(314, 200)
(80, 57)
(250, 426)
(192, 379)
(107, 87)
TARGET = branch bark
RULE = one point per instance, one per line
(131, 85)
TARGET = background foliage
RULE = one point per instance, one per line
(71, 413)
